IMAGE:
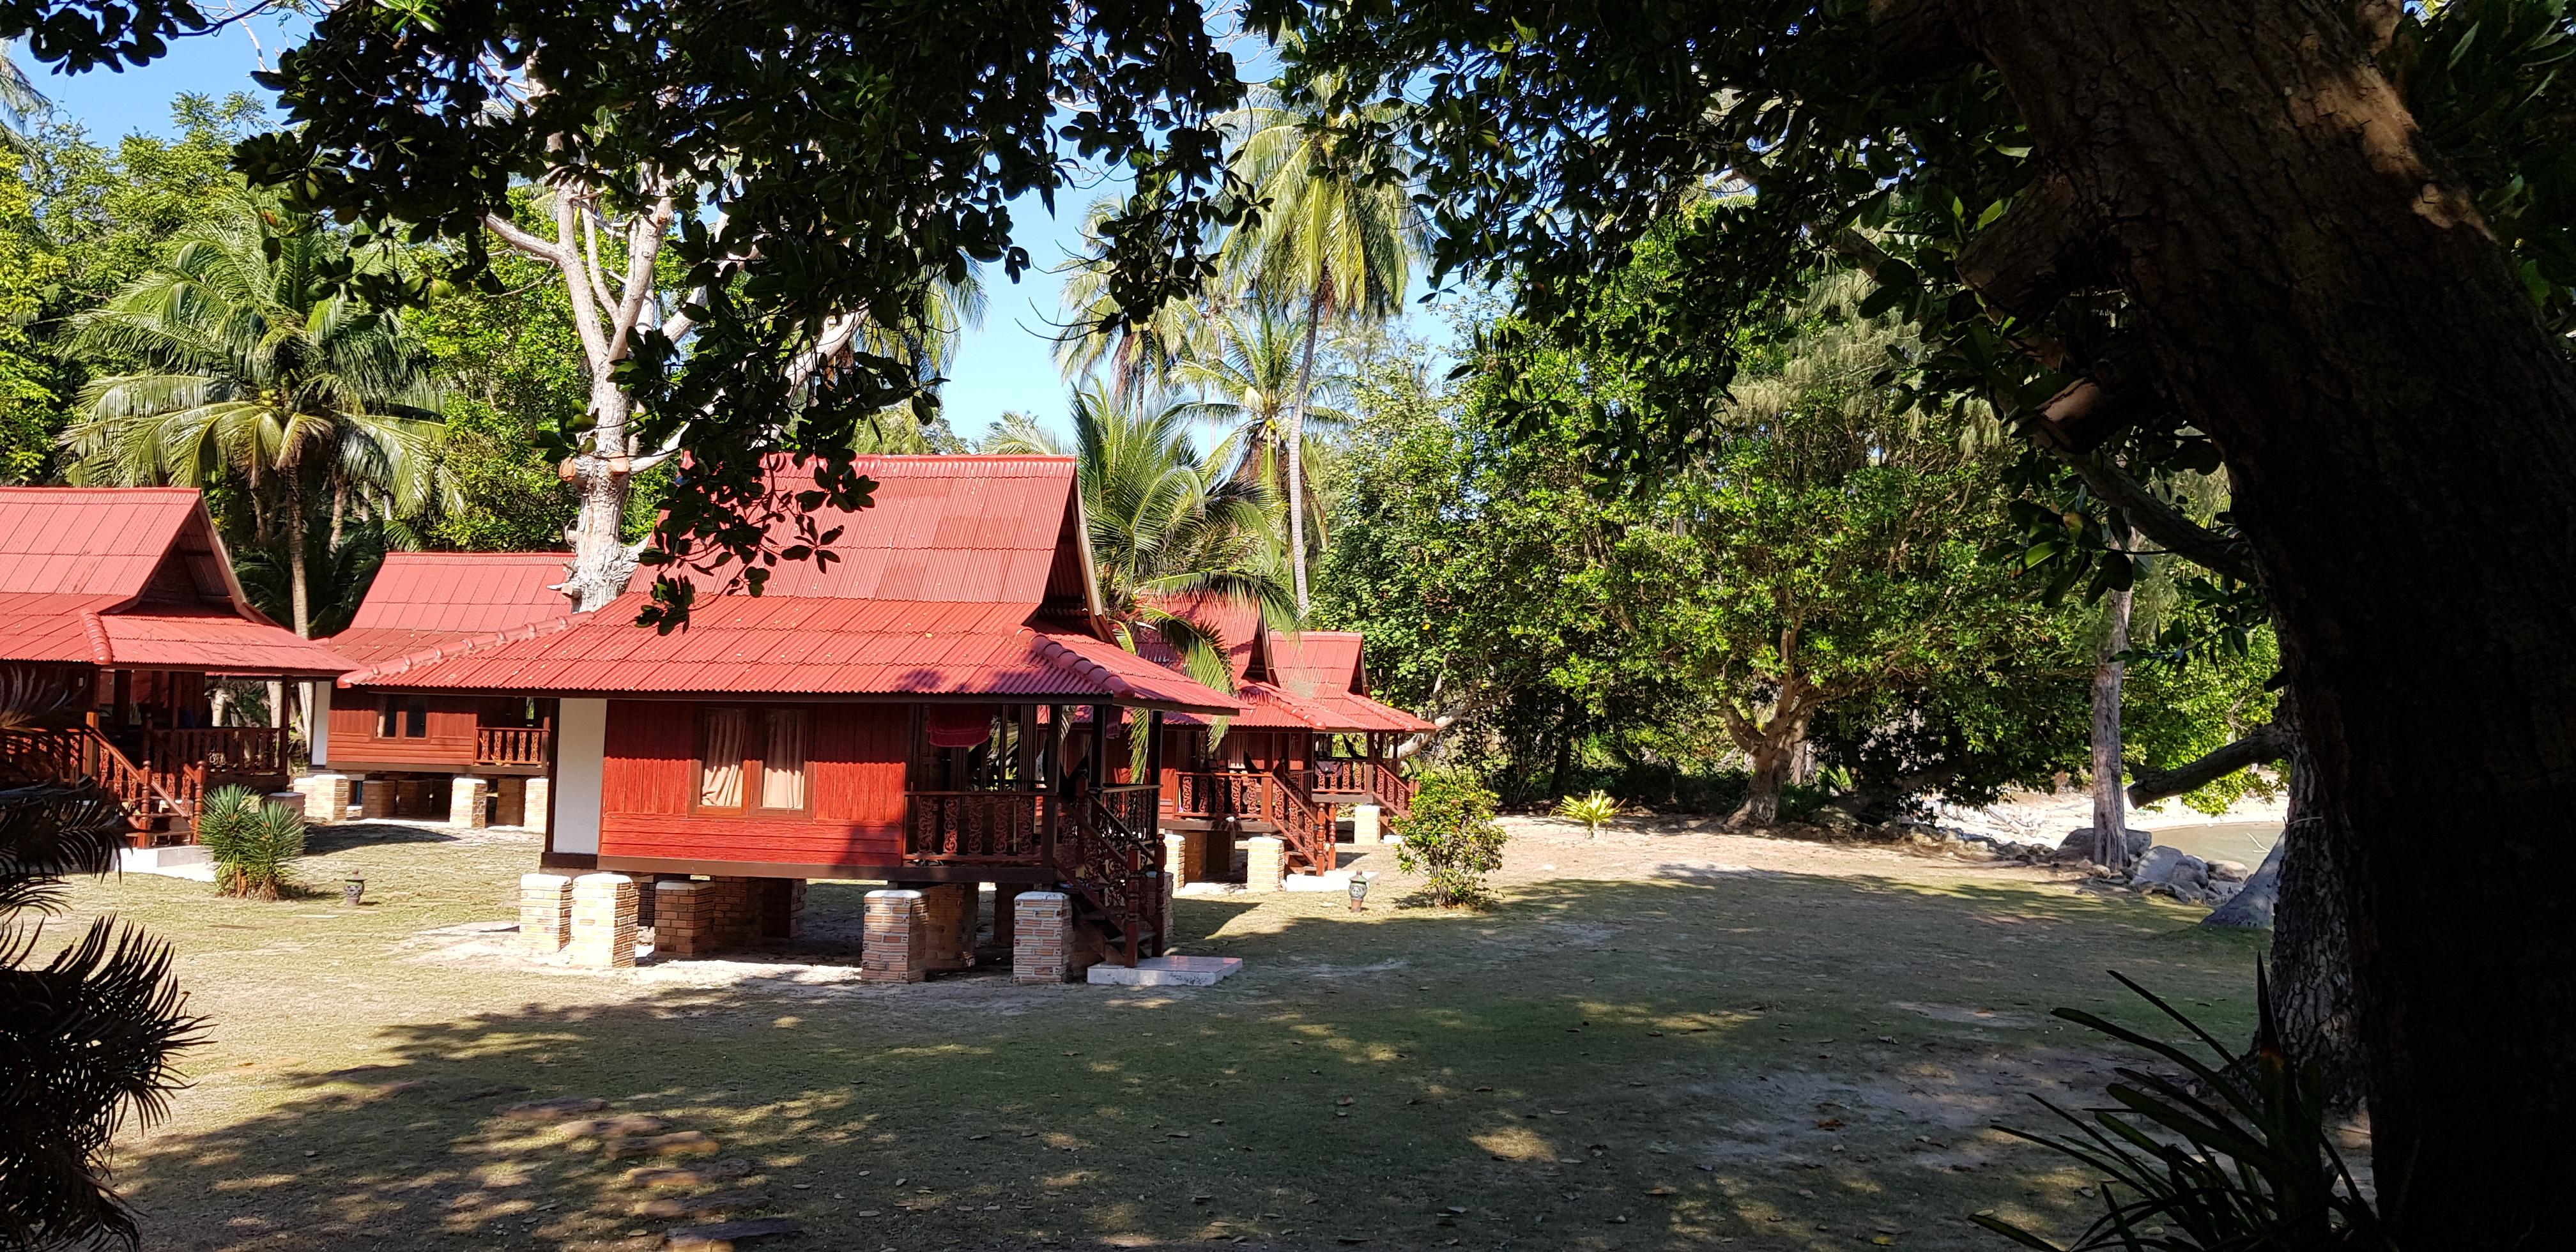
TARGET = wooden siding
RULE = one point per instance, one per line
(355, 745)
(855, 776)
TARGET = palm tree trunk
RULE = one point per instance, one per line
(295, 570)
(1297, 452)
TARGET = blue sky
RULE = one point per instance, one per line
(1005, 364)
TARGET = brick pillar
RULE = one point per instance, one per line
(1041, 942)
(603, 921)
(1265, 866)
(891, 941)
(778, 907)
(465, 807)
(1365, 827)
(326, 797)
(682, 909)
(538, 790)
(948, 925)
(545, 912)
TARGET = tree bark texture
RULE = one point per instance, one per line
(1297, 452)
(2110, 813)
(2311, 949)
(2314, 289)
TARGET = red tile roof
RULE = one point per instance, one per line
(963, 579)
(420, 600)
(132, 577)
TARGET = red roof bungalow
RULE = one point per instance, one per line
(117, 604)
(433, 754)
(904, 712)
(1310, 740)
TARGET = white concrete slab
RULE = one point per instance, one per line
(1339, 880)
(185, 860)
(1167, 971)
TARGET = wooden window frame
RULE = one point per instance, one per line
(396, 715)
(755, 743)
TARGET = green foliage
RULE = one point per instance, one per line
(1450, 836)
(2237, 1156)
(251, 840)
(1595, 810)
(88, 1038)
(30, 409)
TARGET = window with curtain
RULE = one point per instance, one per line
(723, 743)
(782, 760)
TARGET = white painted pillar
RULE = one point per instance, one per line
(317, 721)
(1365, 827)
(581, 753)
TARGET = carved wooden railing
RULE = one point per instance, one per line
(1114, 867)
(1220, 795)
(220, 749)
(1393, 790)
(1133, 805)
(84, 753)
(510, 745)
(975, 827)
(1339, 775)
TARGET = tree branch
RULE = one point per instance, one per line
(521, 240)
(2219, 553)
(2265, 744)
(2042, 248)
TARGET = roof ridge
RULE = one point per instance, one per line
(467, 645)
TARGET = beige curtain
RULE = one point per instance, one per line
(782, 767)
(720, 753)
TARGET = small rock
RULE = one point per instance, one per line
(623, 1124)
(669, 1207)
(677, 1143)
(554, 1109)
(2228, 871)
(2078, 844)
(726, 1236)
(704, 1174)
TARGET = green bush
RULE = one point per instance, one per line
(251, 841)
(1451, 837)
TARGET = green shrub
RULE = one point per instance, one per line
(2236, 1157)
(251, 841)
(1451, 837)
(1594, 811)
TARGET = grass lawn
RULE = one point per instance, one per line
(1656, 1040)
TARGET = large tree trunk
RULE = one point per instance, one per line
(1761, 805)
(2110, 812)
(2311, 953)
(2319, 294)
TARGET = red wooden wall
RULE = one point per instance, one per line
(355, 744)
(854, 776)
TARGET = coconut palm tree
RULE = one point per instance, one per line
(1138, 354)
(1245, 368)
(1336, 238)
(243, 367)
(1166, 525)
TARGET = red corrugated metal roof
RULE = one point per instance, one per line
(132, 577)
(980, 529)
(802, 645)
(214, 641)
(1317, 661)
(1238, 624)
(422, 599)
(103, 541)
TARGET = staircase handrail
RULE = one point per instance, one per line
(82, 752)
(1117, 871)
(1305, 822)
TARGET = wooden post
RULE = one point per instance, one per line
(1028, 732)
(1100, 775)
(1154, 765)
(1054, 769)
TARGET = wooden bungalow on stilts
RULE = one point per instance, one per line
(904, 713)
(1310, 742)
(119, 617)
(469, 760)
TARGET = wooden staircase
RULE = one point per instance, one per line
(1113, 871)
(155, 812)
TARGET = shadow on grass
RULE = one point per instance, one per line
(1586, 1065)
(320, 840)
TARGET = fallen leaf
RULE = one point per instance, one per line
(1830, 1123)
(1661, 1191)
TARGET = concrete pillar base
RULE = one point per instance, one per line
(1265, 864)
(890, 945)
(465, 796)
(539, 789)
(545, 912)
(326, 797)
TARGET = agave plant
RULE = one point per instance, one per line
(2237, 1158)
(1594, 811)
(251, 840)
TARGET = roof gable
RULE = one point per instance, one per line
(957, 529)
(1319, 662)
(99, 541)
